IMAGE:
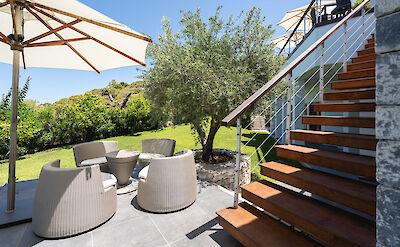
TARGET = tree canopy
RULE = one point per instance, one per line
(207, 68)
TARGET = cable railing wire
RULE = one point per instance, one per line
(317, 94)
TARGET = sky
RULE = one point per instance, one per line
(50, 85)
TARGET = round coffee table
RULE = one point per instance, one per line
(145, 158)
(122, 163)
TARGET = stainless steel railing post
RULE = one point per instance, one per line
(237, 165)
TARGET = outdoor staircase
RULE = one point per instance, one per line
(330, 202)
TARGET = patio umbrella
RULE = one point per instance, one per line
(281, 40)
(292, 17)
(60, 34)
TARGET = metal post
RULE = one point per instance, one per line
(14, 114)
(345, 47)
(321, 74)
(237, 166)
(289, 108)
(316, 11)
(363, 24)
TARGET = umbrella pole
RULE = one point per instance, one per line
(13, 133)
(14, 113)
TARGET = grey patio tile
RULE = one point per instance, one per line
(139, 231)
(125, 211)
(30, 239)
(176, 225)
(11, 236)
(209, 234)
(214, 200)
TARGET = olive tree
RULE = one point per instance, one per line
(201, 72)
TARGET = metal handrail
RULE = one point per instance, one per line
(235, 114)
(297, 26)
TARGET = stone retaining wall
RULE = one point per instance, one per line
(223, 174)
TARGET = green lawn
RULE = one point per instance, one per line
(28, 167)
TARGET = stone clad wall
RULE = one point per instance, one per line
(388, 122)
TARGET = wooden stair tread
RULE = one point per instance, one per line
(330, 225)
(254, 228)
(353, 194)
(351, 95)
(344, 107)
(355, 83)
(339, 121)
(346, 162)
(356, 74)
(361, 65)
(369, 45)
(367, 57)
(366, 51)
(359, 141)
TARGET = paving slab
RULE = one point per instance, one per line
(25, 193)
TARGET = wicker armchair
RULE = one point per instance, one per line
(91, 150)
(69, 201)
(168, 184)
(159, 146)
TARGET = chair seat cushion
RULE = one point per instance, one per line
(109, 180)
(143, 173)
(94, 161)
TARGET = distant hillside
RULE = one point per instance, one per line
(116, 93)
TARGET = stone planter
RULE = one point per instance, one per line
(223, 174)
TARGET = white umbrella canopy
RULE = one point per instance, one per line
(99, 57)
(64, 35)
(281, 40)
(292, 17)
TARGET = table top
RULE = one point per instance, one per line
(94, 161)
(122, 154)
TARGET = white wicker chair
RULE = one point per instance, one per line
(69, 201)
(91, 150)
(168, 184)
(159, 146)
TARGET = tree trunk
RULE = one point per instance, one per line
(208, 146)
(125, 100)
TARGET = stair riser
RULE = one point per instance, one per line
(357, 74)
(356, 84)
(361, 107)
(236, 233)
(325, 192)
(359, 66)
(346, 122)
(366, 52)
(371, 41)
(344, 166)
(301, 223)
(355, 95)
(337, 141)
(364, 58)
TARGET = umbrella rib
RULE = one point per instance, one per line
(90, 37)
(92, 22)
(66, 25)
(23, 59)
(61, 38)
(56, 42)
(4, 4)
(5, 38)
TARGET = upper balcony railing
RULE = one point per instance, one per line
(235, 114)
